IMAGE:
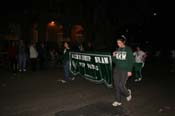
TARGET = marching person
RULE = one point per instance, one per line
(65, 58)
(124, 60)
(140, 57)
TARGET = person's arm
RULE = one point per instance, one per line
(144, 56)
(114, 56)
(134, 54)
(130, 60)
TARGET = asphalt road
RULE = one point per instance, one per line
(39, 94)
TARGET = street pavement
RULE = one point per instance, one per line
(41, 94)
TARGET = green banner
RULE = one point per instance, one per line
(96, 67)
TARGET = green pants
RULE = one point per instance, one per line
(138, 70)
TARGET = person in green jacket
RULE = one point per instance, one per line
(65, 60)
(124, 60)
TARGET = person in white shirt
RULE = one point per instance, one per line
(33, 56)
(140, 57)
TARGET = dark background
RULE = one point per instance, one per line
(141, 21)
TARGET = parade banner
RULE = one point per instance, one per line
(96, 67)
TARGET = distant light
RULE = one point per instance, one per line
(154, 14)
(52, 23)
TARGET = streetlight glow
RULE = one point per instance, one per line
(52, 23)
(155, 14)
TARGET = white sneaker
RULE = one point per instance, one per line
(129, 97)
(20, 70)
(63, 81)
(73, 78)
(115, 104)
(139, 79)
(24, 70)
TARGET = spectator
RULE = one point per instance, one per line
(12, 54)
(53, 57)
(33, 56)
(42, 55)
(22, 55)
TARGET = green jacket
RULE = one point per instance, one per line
(124, 59)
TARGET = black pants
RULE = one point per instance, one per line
(120, 78)
(13, 65)
(42, 63)
(34, 64)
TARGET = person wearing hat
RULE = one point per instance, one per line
(124, 60)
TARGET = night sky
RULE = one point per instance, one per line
(135, 10)
(138, 18)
